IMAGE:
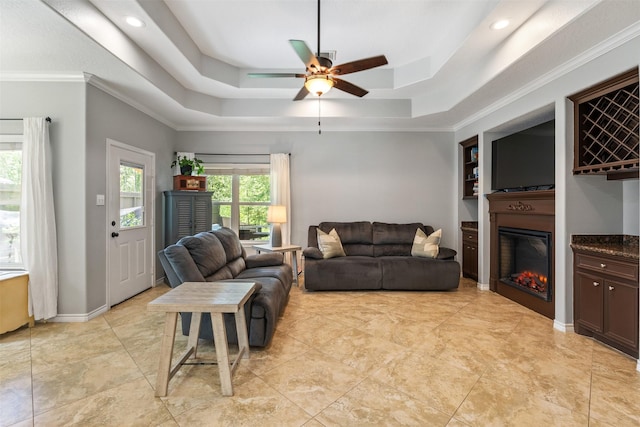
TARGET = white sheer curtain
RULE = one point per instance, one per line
(37, 220)
(281, 190)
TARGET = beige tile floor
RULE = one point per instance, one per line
(463, 358)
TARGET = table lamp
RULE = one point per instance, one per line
(276, 215)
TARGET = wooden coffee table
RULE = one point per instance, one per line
(215, 298)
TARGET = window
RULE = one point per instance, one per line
(10, 195)
(240, 200)
(131, 195)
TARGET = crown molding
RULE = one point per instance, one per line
(42, 77)
(103, 86)
(585, 57)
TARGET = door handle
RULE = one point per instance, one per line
(114, 234)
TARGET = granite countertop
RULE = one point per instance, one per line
(469, 225)
(622, 245)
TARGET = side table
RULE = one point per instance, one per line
(203, 297)
(283, 249)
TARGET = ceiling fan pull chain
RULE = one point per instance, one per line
(319, 128)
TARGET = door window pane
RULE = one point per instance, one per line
(10, 194)
(131, 195)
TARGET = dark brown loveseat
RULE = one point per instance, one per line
(218, 256)
(378, 256)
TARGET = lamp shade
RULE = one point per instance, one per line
(277, 214)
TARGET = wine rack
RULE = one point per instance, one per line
(607, 129)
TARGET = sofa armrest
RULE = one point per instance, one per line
(313, 253)
(446, 253)
(264, 260)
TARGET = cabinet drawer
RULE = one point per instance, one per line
(469, 237)
(609, 266)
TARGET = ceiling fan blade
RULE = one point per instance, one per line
(360, 65)
(269, 75)
(303, 51)
(349, 87)
(300, 96)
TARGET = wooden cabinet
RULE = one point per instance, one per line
(470, 168)
(185, 214)
(606, 118)
(470, 253)
(606, 299)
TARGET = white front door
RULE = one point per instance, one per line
(130, 183)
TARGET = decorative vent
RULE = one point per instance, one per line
(607, 127)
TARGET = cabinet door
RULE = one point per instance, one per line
(589, 301)
(201, 213)
(183, 217)
(621, 313)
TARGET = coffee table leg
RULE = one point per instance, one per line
(241, 328)
(194, 333)
(294, 264)
(166, 351)
(222, 353)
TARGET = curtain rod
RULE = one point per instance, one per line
(48, 119)
(229, 154)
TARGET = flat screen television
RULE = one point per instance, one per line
(524, 160)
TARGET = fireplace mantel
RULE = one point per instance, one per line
(529, 210)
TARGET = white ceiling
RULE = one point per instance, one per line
(187, 66)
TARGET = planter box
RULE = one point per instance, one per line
(190, 183)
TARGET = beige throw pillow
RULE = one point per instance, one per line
(424, 246)
(330, 244)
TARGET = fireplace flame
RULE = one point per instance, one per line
(529, 279)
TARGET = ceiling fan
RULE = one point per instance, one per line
(321, 74)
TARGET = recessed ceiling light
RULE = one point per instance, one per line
(499, 25)
(134, 22)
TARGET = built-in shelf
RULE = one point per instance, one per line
(470, 169)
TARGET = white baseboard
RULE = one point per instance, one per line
(562, 327)
(638, 366)
(160, 281)
(483, 286)
(69, 318)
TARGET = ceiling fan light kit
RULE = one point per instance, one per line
(318, 84)
(320, 74)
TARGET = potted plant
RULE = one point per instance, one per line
(187, 165)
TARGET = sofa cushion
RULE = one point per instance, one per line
(426, 246)
(207, 252)
(356, 237)
(230, 242)
(182, 263)
(281, 272)
(236, 266)
(330, 244)
(353, 273)
(416, 273)
(264, 260)
(394, 239)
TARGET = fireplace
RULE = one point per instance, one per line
(524, 260)
(522, 249)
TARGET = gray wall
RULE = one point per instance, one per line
(83, 117)
(65, 104)
(348, 176)
(108, 117)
